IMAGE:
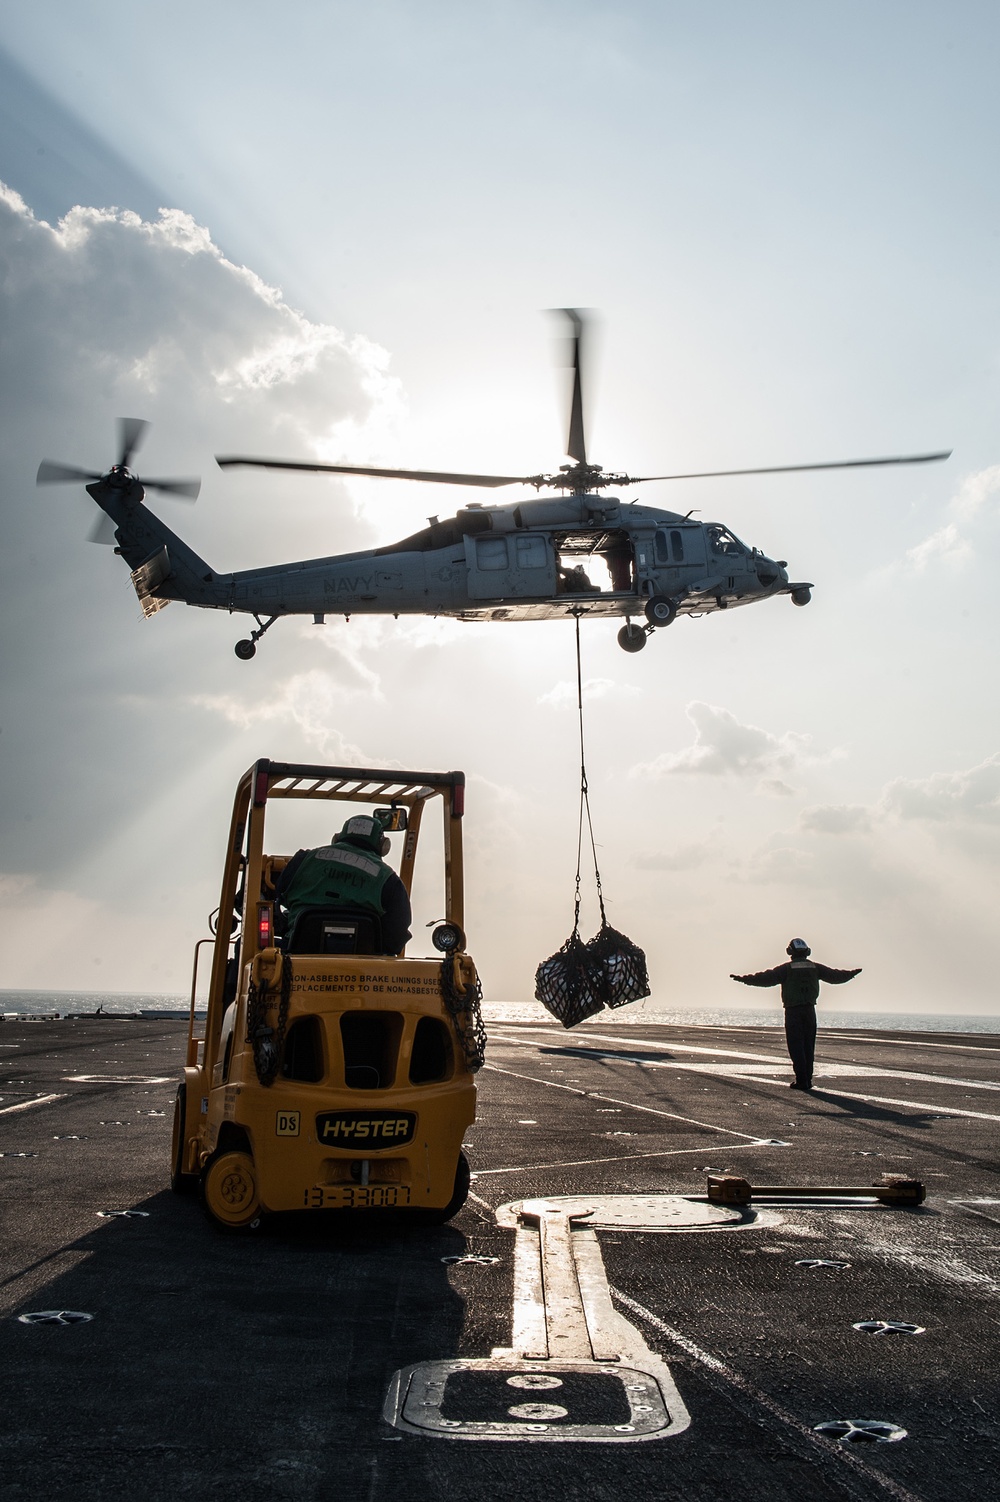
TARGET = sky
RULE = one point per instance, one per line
(327, 230)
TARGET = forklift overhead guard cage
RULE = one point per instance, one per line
(299, 1135)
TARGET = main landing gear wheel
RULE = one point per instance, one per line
(180, 1182)
(229, 1190)
(631, 638)
(660, 611)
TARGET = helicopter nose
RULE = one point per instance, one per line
(770, 572)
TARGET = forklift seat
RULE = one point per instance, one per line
(335, 930)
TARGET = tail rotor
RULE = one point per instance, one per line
(131, 435)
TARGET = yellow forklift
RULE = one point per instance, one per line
(327, 1075)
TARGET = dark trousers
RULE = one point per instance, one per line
(800, 1035)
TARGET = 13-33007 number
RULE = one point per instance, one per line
(355, 1196)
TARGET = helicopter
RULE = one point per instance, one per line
(579, 552)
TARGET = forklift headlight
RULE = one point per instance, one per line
(447, 938)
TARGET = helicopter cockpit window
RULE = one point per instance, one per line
(531, 552)
(723, 542)
(491, 552)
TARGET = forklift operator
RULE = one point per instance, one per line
(349, 872)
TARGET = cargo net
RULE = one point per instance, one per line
(581, 979)
(463, 1005)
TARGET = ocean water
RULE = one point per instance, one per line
(124, 1004)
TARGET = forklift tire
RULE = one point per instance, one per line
(180, 1182)
(660, 611)
(229, 1192)
(631, 638)
(462, 1177)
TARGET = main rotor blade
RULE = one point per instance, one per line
(131, 431)
(103, 531)
(58, 474)
(576, 443)
(787, 469)
(184, 490)
(435, 477)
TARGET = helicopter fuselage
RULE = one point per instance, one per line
(529, 560)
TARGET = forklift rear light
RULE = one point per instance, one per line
(265, 926)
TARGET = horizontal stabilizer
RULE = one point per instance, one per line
(149, 576)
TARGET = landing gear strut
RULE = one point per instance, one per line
(247, 648)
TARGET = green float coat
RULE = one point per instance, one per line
(338, 875)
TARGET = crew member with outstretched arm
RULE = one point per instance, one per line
(799, 981)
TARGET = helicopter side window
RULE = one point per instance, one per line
(531, 552)
(670, 548)
(491, 552)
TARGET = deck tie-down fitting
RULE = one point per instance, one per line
(890, 1189)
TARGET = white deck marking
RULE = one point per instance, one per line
(886, 1100)
(658, 1045)
(766, 1062)
(670, 1152)
(613, 1100)
(833, 1035)
(26, 1105)
(119, 1079)
(735, 1379)
(975, 1207)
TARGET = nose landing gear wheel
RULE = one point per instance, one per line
(631, 638)
(245, 649)
(660, 611)
(229, 1191)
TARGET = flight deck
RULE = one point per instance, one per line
(588, 1326)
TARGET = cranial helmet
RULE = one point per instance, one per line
(798, 949)
(365, 833)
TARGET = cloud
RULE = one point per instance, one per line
(725, 747)
(836, 818)
(948, 797)
(104, 314)
(313, 701)
(974, 491)
(680, 858)
(945, 547)
(949, 546)
(773, 787)
(563, 694)
(156, 307)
